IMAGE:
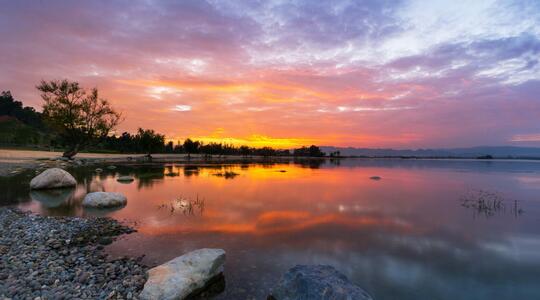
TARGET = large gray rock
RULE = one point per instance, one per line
(183, 275)
(104, 200)
(52, 178)
(316, 283)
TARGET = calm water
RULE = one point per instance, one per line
(417, 233)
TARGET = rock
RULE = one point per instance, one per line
(104, 200)
(99, 170)
(60, 258)
(316, 282)
(183, 275)
(111, 167)
(52, 178)
(125, 179)
(105, 240)
(375, 178)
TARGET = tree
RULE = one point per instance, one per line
(245, 151)
(77, 115)
(315, 151)
(312, 151)
(149, 141)
(169, 147)
(191, 146)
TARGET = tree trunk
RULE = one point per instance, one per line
(72, 151)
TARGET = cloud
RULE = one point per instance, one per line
(372, 73)
(181, 107)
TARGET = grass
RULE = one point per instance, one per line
(489, 203)
(185, 206)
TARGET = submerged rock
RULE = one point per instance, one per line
(104, 200)
(184, 275)
(52, 178)
(125, 179)
(375, 178)
(316, 283)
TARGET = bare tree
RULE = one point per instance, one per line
(79, 116)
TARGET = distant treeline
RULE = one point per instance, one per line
(148, 141)
(24, 126)
(26, 114)
(21, 125)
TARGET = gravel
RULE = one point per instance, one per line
(62, 258)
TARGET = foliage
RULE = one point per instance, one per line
(191, 146)
(27, 115)
(149, 141)
(311, 151)
(77, 115)
(20, 125)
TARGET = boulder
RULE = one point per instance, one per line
(104, 200)
(184, 275)
(125, 179)
(52, 178)
(316, 282)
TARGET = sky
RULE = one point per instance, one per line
(400, 74)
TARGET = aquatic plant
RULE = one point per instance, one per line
(185, 206)
(488, 203)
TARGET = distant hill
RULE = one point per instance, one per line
(471, 152)
(15, 132)
(20, 125)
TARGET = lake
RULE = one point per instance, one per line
(426, 229)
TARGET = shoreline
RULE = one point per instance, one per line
(63, 258)
(13, 162)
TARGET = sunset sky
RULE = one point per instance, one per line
(402, 74)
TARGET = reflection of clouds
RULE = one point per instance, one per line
(420, 267)
(386, 260)
(280, 219)
(284, 223)
(520, 247)
(532, 182)
(408, 238)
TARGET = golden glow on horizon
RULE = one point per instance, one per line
(249, 108)
(257, 141)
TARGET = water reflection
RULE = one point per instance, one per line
(490, 203)
(404, 237)
(52, 198)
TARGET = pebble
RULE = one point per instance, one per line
(61, 258)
